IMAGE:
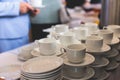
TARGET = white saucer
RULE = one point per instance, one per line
(10, 71)
(88, 60)
(88, 74)
(112, 53)
(112, 66)
(103, 76)
(36, 54)
(103, 62)
(114, 41)
(117, 58)
(104, 49)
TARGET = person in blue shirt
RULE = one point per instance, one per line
(14, 23)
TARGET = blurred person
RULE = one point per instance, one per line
(14, 23)
(48, 16)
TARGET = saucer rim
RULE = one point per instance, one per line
(102, 65)
(114, 41)
(102, 51)
(104, 77)
(113, 67)
(88, 77)
(85, 63)
(111, 56)
(117, 58)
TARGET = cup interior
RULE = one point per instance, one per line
(94, 37)
(76, 47)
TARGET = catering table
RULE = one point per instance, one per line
(10, 57)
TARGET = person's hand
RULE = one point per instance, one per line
(34, 12)
(25, 8)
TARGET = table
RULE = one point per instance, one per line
(10, 57)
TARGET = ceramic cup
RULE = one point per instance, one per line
(67, 38)
(60, 28)
(47, 46)
(92, 28)
(76, 53)
(36, 3)
(81, 33)
(115, 29)
(94, 43)
(107, 35)
(74, 71)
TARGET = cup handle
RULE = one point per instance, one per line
(63, 50)
(105, 27)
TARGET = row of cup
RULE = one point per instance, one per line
(82, 31)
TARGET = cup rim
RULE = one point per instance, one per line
(76, 47)
(94, 37)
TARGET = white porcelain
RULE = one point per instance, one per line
(100, 74)
(115, 29)
(107, 35)
(40, 64)
(92, 27)
(24, 53)
(81, 33)
(101, 62)
(10, 71)
(114, 41)
(117, 58)
(89, 59)
(74, 71)
(94, 43)
(112, 65)
(60, 28)
(67, 38)
(88, 74)
(58, 76)
(47, 46)
(36, 3)
(105, 48)
(112, 53)
(36, 52)
(43, 75)
(75, 53)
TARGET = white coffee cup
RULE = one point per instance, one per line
(115, 29)
(36, 3)
(107, 35)
(60, 28)
(75, 53)
(92, 28)
(47, 46)
(67, 38)
(94, 43)
(81, 33)
(74, 71)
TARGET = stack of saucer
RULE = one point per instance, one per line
(115, 43)
(113, 55)
(96, 47)
(42, 68)
(76, 62)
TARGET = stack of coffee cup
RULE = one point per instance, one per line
(80, 33)
(116, 31)
(58, 30)
(110, 37)
(68, 38)
(47, 47)
(76, 62)
(95, 46)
